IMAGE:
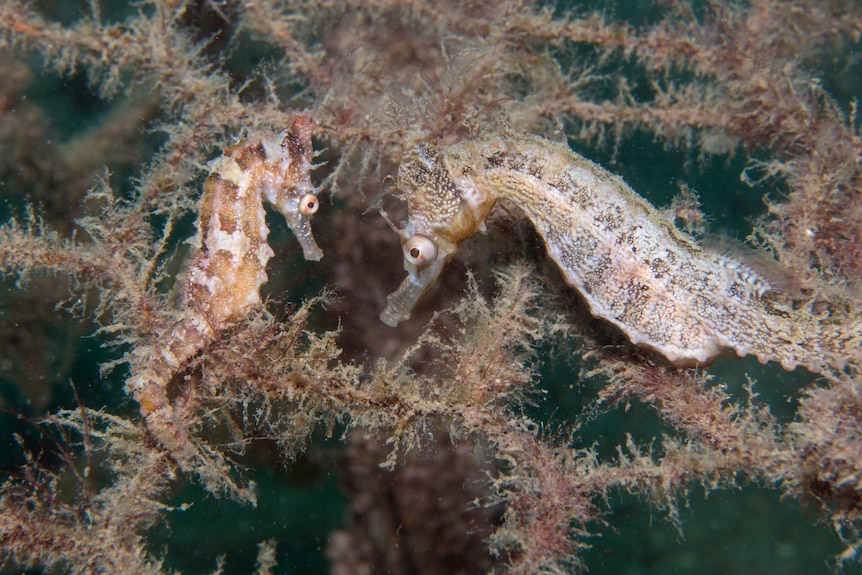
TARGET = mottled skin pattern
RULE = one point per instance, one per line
(633, 267)
(226, 274)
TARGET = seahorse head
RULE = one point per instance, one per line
(288, 183)
(443, 208)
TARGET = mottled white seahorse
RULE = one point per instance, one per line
(633, 267)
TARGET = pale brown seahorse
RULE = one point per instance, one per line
(225, 273)
(631, 264)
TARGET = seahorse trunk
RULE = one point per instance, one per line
(633, 267)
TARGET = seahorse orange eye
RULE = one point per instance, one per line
(308, 204)
(419, 250)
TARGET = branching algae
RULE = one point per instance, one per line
(228, 381)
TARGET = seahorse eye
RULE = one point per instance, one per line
(419, 251)
(308, 204)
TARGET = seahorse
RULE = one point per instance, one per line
(230, 266)
(223, 278)
(632, 265)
